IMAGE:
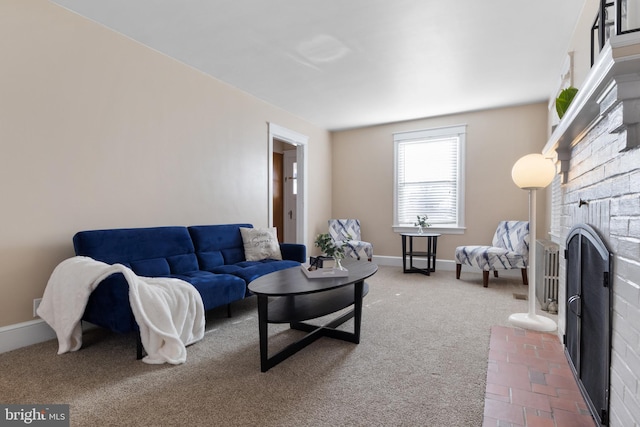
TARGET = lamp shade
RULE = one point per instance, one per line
(533, 171)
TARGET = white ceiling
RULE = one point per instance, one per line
(349, 63)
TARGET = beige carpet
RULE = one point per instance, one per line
(421, 362)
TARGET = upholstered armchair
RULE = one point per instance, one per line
(509, 250)
(347, 231)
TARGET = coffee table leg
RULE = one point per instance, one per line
(357, 309)
(314, 332)
(263, 327)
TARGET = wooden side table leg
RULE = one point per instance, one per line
(404, 254)
(430, 260)
(435, 250)
(410, 252)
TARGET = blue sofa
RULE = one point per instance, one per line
(210, 257)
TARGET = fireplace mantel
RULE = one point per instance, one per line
(613, 80)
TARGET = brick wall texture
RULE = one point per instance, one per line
(605, 173)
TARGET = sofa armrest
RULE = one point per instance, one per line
(293, 252)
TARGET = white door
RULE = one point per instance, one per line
(290, 196)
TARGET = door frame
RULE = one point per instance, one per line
(289, 157)
(300, 141)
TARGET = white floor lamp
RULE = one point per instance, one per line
(533, 172)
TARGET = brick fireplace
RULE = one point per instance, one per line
(597, 150)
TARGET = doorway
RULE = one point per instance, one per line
(285, 190)
(288, 184)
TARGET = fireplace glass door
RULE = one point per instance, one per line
(588, 326)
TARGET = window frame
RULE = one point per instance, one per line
(456, 131)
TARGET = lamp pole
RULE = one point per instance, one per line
(531, 173)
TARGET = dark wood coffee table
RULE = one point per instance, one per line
(289, 296)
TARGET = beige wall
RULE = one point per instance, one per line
(97, 131)
(580, 43)
(580, 47)
(363, 174)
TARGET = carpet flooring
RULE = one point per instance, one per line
(422, 361)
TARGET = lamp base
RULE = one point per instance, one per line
(533, 321)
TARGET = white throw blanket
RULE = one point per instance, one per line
(169, 311)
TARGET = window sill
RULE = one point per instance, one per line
(432, 229)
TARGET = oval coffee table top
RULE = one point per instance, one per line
(293, 281)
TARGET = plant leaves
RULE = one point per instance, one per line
(564, 100)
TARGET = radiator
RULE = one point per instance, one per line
(547, 265)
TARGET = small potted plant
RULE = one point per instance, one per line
(564, 100)
(330, 249)
(422, 223)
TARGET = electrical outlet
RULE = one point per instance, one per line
(36, 303)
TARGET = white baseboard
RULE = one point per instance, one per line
(23, 334)
(441, 264)
(396, 261)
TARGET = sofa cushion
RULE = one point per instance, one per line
(183, 263)
(208, 261)
(156, 267)
(251, 270)
(260, 243)
(218, 244)
(215, 289)
(108, 305)
(133, 244)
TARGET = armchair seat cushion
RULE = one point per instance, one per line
(357, 248)
(509, 250)
(489, 258)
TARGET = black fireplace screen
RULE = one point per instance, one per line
(588, 328)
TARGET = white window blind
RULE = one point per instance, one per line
(429, 176)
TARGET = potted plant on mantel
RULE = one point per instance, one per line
(330, 249)
(564, 100)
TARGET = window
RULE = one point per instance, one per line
(429, 166)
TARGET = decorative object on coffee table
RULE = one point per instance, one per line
(314, 272)
(330, 248)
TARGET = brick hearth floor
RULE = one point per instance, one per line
(530, 383)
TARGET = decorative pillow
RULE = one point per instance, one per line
(260, 243)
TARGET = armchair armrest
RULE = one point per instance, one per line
(293, 252)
